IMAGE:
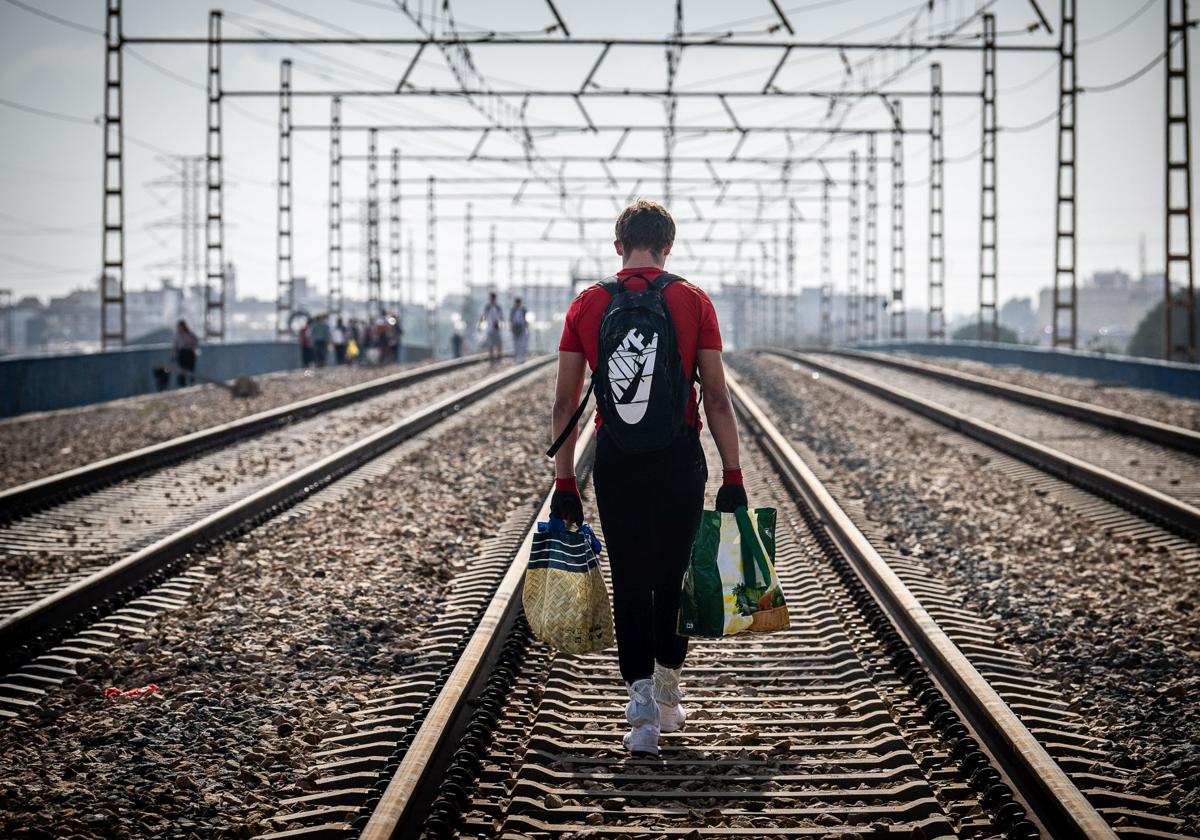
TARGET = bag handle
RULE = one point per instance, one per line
(566, 433)
(751, 542)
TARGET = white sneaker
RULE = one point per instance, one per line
(642, 713)
(667, 694)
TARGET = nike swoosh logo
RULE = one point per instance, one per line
(631, 388)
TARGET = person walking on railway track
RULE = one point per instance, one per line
(647, 336)
(183, 350)
(491, 318)
(338, 336)
(321, 335)
(519, 324)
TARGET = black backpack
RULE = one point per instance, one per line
(641, 387)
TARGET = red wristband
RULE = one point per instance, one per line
(729, 477)
(568, 484)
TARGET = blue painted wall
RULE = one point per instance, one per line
(1170, 377)
(45, 383)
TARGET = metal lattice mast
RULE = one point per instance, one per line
(988, 328)
(198, 165)
(898, 321)
(431, 285)
(1065, 317)
(394, 283)
(1179, 304)
(672, 103)
(826, 269)
(468, 249)
(870, 314)
(112, 256)
(374, 268)
(793, 311)
(335, 207)
(935, 326)
(6, 319)
(852, 291)
(214, 200)
(411, 277)
(492, 258)
(186, 222)
(285, 301)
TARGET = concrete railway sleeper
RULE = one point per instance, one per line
(1156, 483)
(56, 628)
(864, 719)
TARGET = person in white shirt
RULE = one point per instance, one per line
(492, 317)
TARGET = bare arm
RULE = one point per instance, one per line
(718, 408)
(567, 389)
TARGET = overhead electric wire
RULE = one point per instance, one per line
(1133, 77)
(42, 112)
(33, 10)
(1141, 11)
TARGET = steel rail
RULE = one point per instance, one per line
(1175, 437)
(20, 499)
(65, 605)
(405, 801)
(1146, 501)
(1054, 799)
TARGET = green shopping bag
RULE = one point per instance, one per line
(730, 584)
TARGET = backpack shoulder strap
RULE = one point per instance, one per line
(566, 433)
(665, 279)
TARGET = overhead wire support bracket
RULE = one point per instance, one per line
(560, 24)
(787, 51)
(595, 68)
(787, 24)
(412, 64)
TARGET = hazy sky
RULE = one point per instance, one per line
(51, 167)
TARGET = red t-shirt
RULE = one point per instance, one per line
(692, 313)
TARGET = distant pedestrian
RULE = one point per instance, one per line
(184, 349)
(519, 324)
(491, 318)
(456, 344)
(306, 348)
(338, 336)
(321, 335)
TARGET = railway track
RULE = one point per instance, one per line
(119, 564)
(865, 719)
(1146, 467)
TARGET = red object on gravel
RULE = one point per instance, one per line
(112, 693)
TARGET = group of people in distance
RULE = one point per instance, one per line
(492, 320)
(357, 341)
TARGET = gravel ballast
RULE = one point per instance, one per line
(1109, 619)
(44, 443)
(1141, 402)
(303, 619)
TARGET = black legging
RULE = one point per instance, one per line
(649, 507)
